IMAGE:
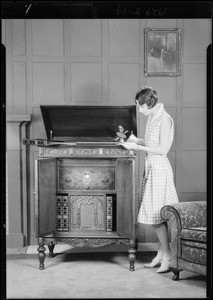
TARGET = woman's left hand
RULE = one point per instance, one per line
(130, 146)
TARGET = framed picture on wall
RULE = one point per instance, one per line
(162, 52)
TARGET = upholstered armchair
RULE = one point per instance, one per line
(188, 236)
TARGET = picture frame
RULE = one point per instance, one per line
(162, 52)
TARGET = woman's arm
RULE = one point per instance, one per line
(164, 140)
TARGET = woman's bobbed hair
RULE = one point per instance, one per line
(147, 96)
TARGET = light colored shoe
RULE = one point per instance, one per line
(165, 266)
(154, 263)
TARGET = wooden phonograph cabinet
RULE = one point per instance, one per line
(85, 179)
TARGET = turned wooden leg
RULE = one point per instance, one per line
(51, 246)
(132, 253)
(176, 274)
(41, 253)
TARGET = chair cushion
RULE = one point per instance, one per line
(193, 254)
(196, 234)
(193, 244)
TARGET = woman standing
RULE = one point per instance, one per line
(157, 185)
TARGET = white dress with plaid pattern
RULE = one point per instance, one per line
(158, 187)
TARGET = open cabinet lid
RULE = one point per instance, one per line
(86, 122)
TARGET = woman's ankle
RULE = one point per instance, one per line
(166, 256)
(159, 254)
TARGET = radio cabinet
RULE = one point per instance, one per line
(86, 199)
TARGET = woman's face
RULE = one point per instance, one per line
(143, 109)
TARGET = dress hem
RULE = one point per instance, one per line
(152, 223)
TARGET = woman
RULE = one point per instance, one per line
(157, 185)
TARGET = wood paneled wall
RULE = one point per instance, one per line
(101, 62)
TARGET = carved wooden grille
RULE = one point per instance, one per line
(88, 212)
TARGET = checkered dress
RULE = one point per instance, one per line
(157, 184)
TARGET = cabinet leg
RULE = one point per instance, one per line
(132, 254)
(41, 253)
(51, 246)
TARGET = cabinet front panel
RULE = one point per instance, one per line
(88, 212)
(86, 178)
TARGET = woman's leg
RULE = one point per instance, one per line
(162, 234)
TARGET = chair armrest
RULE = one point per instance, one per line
(186, 214)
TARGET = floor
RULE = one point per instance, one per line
(87, 273)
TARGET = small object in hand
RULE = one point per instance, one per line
(132, 139)
(130, 146)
